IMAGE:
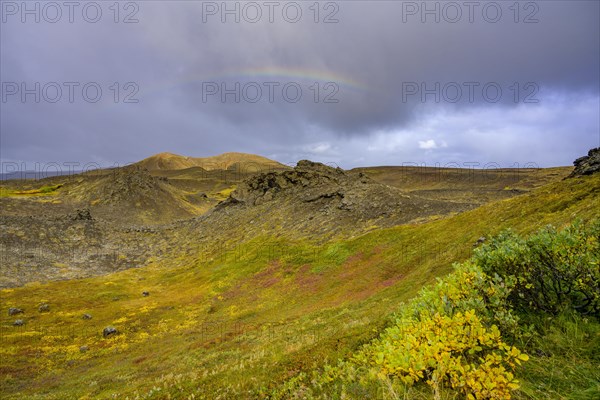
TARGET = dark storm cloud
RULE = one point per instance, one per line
(373, 55)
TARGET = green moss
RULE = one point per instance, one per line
(42, 191)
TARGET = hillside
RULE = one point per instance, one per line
(240, 317)
(132, 215)
(131, 195)
(247, 163)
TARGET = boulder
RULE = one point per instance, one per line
(15, 311)
(109, 331)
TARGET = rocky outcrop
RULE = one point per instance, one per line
(317, 200)
(309, 181)
(587, 165)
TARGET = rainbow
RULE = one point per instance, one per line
(307, 75)
(264, 74)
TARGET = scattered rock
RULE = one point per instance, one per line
(587, 165)
(145, 294)
(44, 307)
(82, 215)
(86, 316)
(83, 349)
(109, 330)
(19, 322)
(479, 241)
(15, 311)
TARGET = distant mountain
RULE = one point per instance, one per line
(226, 161)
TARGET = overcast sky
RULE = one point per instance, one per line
(354, 83)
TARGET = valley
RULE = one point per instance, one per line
(227, 283)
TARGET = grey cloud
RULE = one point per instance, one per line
(171, 52)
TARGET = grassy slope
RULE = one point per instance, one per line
(232, 326)
(565, 363)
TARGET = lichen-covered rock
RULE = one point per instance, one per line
(15, 311)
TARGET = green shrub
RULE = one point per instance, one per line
(549, 271)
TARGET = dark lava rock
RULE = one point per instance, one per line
(145, 294)
(131, 181)
(109, 330)
(587, 165)
(15, 311)
(44, 307)
(86, 316)
(19, 322)
(320, 199)
(310, 181)
(82, 215)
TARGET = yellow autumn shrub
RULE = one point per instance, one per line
(456, 351)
